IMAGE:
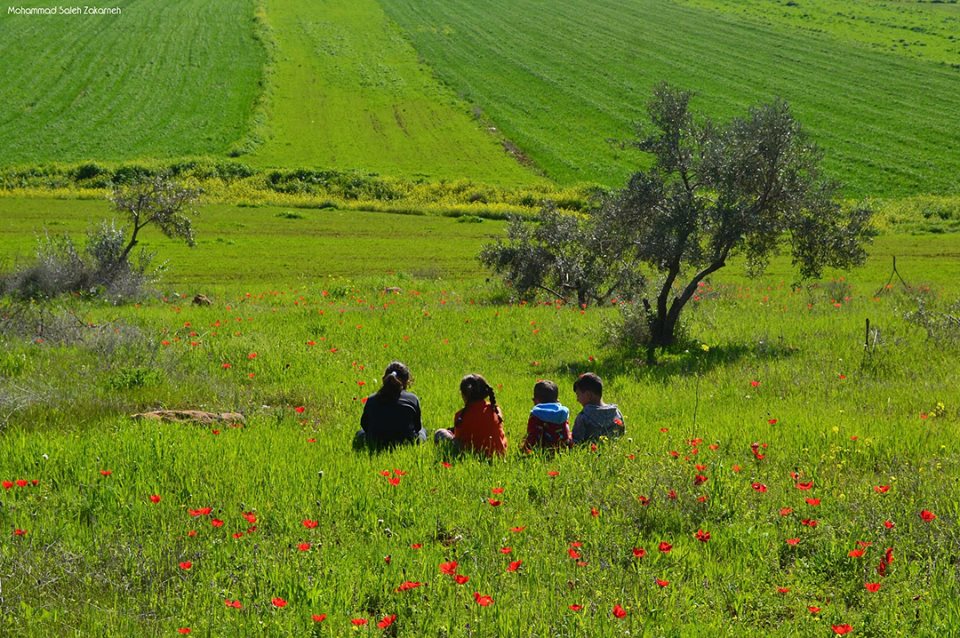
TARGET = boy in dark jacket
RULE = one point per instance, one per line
(547, 427)
(597, 419)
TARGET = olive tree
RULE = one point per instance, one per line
(752, 185)
(569, 257)
(155, 201)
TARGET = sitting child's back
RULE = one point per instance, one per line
(597, 419)
(548, 425)
(479, 427)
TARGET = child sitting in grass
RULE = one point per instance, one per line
(478, 427)
(597, 419)
(547, 427)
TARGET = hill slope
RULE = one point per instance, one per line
(162, 79)
(562, 78)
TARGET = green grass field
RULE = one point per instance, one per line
(562, 80)
(925, 30)
(168, 79)
(301, 320)
(347, 90)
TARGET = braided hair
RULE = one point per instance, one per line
(474, 387)
(395, 380)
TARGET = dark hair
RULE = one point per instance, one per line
(396, 378)
(546, 391)
(473, 387)
(589, 382)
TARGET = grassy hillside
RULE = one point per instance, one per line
(348, 91)
(777, 465)
(924, 30)
(560, 80)
(162, 79)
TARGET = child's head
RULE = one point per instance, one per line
(473, 387)
(396, 378)
(589, 389)
(545, 392)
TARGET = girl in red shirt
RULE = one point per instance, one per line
(478, 427)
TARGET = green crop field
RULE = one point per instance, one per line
(167, 79)
(768, 475)
(561, 80)
(348, 90)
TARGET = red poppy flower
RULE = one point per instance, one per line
(506, 550)
(416, 546)
(813, 610)
(619, 611)
(445, 464)
(106, 472)
(514, 566)
(183, 630)
(318, 617)
(702, 536)
(154, 498)
(386, 621)
(278, 602)
(804, 486)
(841, 630)
(576, 544)
(226, 366)
(517, 530)
(644, 501)
(449, 568)
(772, 421)
(238, 534)
(7, 485)
(594, 512)
(881, 489)
(889, 524)
(664, 547)
(216, 522)
(809, 522)
(759, 487)
(359, 622)
(309, 524)
(250, 517)
(927, 515)
(755, 384)
(304, 547)
(22, 482)
(672, 495)
(639, 552)
(394, 481)
(864, 544)
(408, 585)
(483, 601)
(855, 553)
(203, 511)
(299, 409)
(813, 501)
(574, 554)
(872, 587)
(783, 590)
(735, 468)
(19, 532)
(387, 559)
(793, 541)
(662, 583)
(186, 565)
(575, 607)
(553, 473)
(460, 579)
(192, 533)
(235, 604)
(497, 490)
(494, 502)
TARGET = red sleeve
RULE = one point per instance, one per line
(533, 432)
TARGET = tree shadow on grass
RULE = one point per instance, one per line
(680, 361)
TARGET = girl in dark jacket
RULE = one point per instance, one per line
(391, 415)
